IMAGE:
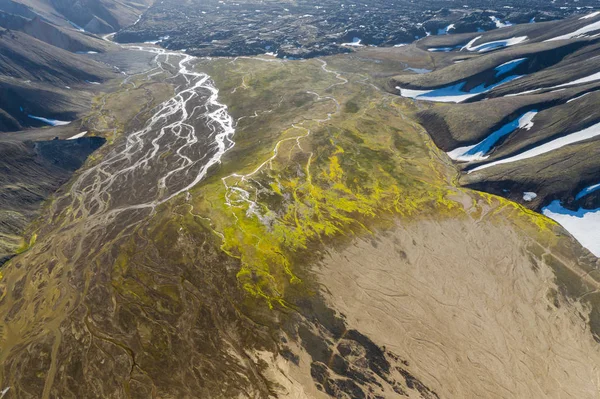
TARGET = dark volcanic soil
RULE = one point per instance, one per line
(29, 173)
(306, 28)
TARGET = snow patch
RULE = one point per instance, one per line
(555, 144)
(451, 94)
(499, 23)
(529, 196)
(509, 66)
(490, 46)
(446, 30)
(479, 151)
(587, 79)
(355, 43)
(159, 40)
(592, 15)
(440, 49)
(579, 32)
(583, 224)
(587, 190)
(51, 122)
(578, 97)
(78, 135)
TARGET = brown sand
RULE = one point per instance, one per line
(466, 305)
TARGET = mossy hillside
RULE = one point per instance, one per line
(315, 178)
(299, 180)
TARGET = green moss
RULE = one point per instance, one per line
(26, 245)
(340, 180)
(351, 107)
(400, 143)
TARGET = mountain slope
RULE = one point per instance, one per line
(64, 38)
(24, 57)
(95, 16)
(526, 125)
(32, 172)
(43, 80)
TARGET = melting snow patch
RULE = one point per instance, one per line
(78, 136)
(523, 93)
(86, 52)
(529, 196)
(451, 94)
(159, 40)
(51, 122)
(440, 49)
(446, 30)
(587, 190)
(555, 144)
(489, 46)
(592, 15)
(579, 32)
(509, 66)
(583, 224)
(591, 78)
(478, 151)
(587, 79)
(578, 97)
(355, 43)
(499, 24)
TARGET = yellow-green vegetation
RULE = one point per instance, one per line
(27, 244)
(522, 213)
(335, 159)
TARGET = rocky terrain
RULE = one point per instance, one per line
(526, 123)
(304, 29)
(340, 226)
